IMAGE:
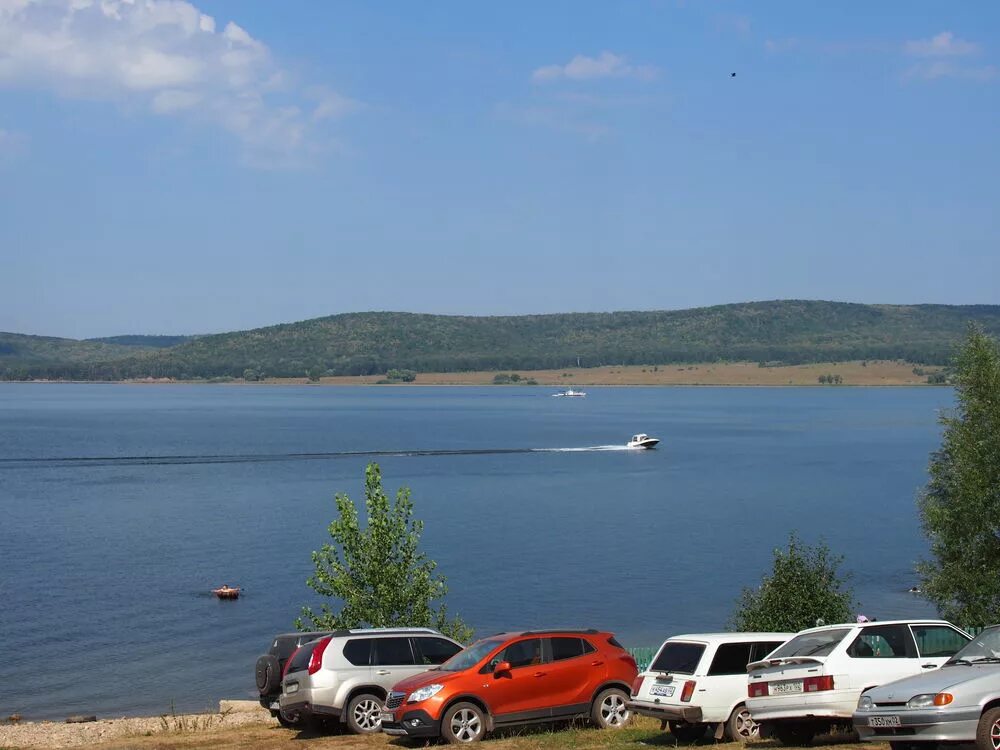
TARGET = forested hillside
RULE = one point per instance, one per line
(786, 332)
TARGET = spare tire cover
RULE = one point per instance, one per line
(268, 675)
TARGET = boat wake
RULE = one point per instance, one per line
(236, 458)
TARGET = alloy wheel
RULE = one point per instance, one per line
(368, 715)
(613, 710)
(466, 725)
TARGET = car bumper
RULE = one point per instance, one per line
(413, 724)
(305, 704)
(833, 704)
(957, 725)
(664, 712)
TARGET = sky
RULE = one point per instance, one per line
(179, 167)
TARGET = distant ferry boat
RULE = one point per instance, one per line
(569, 392)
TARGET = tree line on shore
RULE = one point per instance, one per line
(780, 332)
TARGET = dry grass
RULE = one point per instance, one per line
(881, 372)
(643, 733)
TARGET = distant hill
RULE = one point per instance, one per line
(144, 342)
(787, 332)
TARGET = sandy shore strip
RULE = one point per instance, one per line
(52, 734)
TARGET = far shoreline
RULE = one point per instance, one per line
(879, 373)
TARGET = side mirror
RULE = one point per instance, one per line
(502, 667)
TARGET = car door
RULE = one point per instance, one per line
(936, 644)
(725, 684)
(393, 660)
(880, 654)
(522, 693)
(575, 669)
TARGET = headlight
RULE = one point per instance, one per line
(924, 700)
(424, 693)
(865, 703)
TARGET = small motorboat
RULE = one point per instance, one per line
(569, 392)
(642, 441)
(227, 592)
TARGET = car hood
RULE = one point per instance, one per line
(933, 681)
(433, 677)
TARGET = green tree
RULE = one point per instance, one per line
(803, 587)
(377, 573)
(960, 506)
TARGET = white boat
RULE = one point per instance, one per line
(642, 441)
(569, 392)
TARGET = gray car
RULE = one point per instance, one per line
(959, 702)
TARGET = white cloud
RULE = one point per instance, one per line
(166, 56)
(583, 68)
(940, 69)
(945, 44)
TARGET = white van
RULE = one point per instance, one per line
(699, 682)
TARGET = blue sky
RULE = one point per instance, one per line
(174, 167)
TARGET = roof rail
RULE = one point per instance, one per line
(381, 631)
(581, 631)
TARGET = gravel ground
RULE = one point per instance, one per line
(50, 734)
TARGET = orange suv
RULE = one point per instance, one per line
(515, 678)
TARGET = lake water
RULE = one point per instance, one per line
(106, 565)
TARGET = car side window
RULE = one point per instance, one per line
(435, 650)
(762, 649)
(881, 642)
(568, 648)
(358, 651)
(730, 658)
(938, 640)
(393, 652)
(526, 653)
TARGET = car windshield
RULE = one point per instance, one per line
(984, 647)
(471, 656)
(811, 644)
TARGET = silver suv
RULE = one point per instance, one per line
(347, 675)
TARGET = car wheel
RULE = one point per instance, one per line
(609, 710)
(794, 734)
(684, 732)
(988, 731)
(289, 721)
(463, 722)
(364, 714)
(741, 727)
(267, 675)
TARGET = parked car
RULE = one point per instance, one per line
(697, 682)
(814, 681)
(346, 675)
(269, 667)
(960, 702)
(516, 678)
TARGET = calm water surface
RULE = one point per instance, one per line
(106, 565)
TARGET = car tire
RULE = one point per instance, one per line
(794, 735)
(463, 723)
(988, 731)
(684, 732)
(289, 721)
(609, 710)
(740, 727)
(267, 675)
(364, 714)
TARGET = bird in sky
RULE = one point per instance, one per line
(732, 75)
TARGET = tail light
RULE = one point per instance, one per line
(288, 663)
(816, 684)
(756, 689)
(316, 659)
(688, 691)
(637, 684)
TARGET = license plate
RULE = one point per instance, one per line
(883, 721)
(292, 687)
(780, 688)
(664, 690)
(387, 716)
